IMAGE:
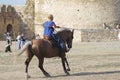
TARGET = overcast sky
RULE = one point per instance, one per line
(13, 2)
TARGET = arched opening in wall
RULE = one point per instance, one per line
(10, 30)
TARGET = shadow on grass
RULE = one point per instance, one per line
(94, 73)
(83, 74)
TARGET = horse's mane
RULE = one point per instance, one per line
(62, 30)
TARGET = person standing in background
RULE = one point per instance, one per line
(9, 43)
(5, 35)
(19, 41)
(23, 39)
(37, 36)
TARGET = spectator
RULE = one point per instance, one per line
(5, 35)
(23, 39)
(37, 36)
(106, 26)
(118, 26)
(19, 41)
(9, 43)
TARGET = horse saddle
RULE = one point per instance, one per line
(54, 43)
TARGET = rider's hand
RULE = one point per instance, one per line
(57, 26)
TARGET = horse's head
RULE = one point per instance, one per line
(67, 37)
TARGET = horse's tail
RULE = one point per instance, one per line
(24, 48)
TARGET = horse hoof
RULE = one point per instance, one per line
(68, 69)
(47, 75)
(28, 76)
(67, 74)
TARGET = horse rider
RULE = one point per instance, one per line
(49, 27)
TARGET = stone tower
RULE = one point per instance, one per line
(28, 18)
(29, 14)
(9, 21)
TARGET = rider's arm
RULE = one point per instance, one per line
(54, 26)
(57, 26)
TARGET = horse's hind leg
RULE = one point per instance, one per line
(63, 63)
(41, 60)
(67, 64)
(27, 63)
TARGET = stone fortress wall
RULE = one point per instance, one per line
(14, 19)
(81, 14)
(9, 20)
(98, 35)
(86, 15)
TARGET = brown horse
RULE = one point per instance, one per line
(42, 48)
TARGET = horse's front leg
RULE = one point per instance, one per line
(63, 63)
(68, 69)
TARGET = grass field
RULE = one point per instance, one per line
(88, 61)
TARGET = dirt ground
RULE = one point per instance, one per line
(88, 61)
